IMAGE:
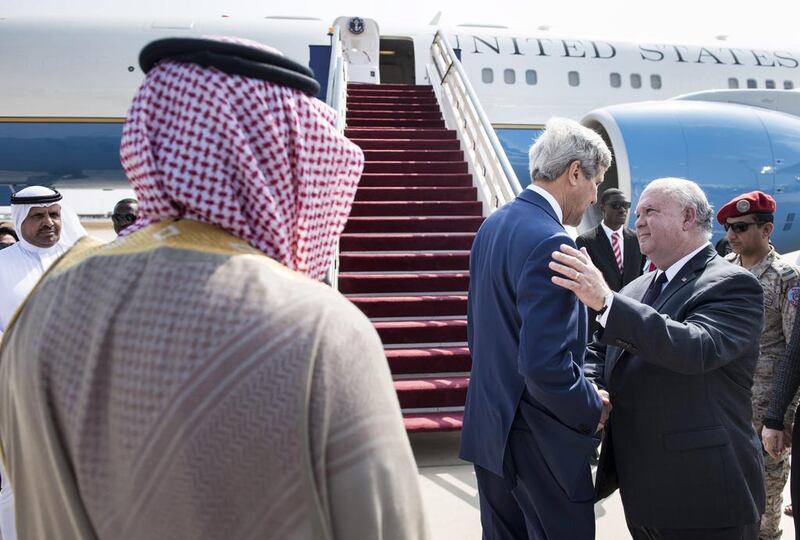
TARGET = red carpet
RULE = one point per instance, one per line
(405, 250)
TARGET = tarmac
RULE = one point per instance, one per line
(451, 494)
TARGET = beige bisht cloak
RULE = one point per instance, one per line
(178, 384)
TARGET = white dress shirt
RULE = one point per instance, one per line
(550, 199)
(671, 272)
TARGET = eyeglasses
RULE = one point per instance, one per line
(738, 227)
(123, 218)
(616, 205)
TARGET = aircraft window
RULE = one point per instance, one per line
(615, 79)
(574, 78)
(770, 83)
(733, 82)
(487, 75)
(530, 77)
(655, 82)
(510, 76)
(751, 83)
(636, 80)
(788, 85)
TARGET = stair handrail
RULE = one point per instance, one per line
(336, 98)
(495, 179)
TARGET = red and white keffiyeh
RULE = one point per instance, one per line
(259, 160)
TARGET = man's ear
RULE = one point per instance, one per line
(768, 228)
(689, 217)
(574, 172)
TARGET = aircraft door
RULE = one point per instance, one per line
(397, 60)
(361, 48)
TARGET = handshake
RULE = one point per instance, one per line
(606, 399)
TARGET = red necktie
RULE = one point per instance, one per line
(617, 251)
(651, 266)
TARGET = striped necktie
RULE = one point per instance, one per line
(617, 251)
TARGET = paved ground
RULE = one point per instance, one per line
(450, 493)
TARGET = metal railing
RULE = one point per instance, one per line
(493, 175)
(336, 97)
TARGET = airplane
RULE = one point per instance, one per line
(724, 115)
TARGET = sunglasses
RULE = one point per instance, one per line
(738, 227)
(616, 205)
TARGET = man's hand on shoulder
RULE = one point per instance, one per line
(579, 275)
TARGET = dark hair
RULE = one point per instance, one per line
(127, 201)
(762, 218)
(608, 193)
(9, 231)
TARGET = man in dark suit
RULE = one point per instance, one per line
(531, 415)
(677, 355)
(612, 246)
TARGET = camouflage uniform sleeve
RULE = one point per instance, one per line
(787, 373)
(789, 282)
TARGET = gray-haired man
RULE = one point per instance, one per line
(531, 415)
(677, 356)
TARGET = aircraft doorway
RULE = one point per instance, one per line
(397, 61)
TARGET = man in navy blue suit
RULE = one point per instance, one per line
(531, 416)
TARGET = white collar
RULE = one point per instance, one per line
(550, 199)
(673, 270)
(609, 230)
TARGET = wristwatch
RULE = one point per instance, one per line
(606, 302)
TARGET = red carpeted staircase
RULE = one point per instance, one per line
(405, 250)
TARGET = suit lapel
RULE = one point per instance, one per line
(686, 275)
(637, 291)
(631, 259)
(605, 248)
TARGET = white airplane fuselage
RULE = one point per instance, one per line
(67, 86)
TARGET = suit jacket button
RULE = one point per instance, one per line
(583, 428)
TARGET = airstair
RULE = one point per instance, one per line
(404, 255)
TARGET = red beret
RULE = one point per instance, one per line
(755, 202)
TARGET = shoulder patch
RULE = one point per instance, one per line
(794, 296)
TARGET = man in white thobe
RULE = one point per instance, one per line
(46, 230)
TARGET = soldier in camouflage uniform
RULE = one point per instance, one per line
(748, 224)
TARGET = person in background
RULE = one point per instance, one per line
(723, 246)
(748, 222)
(8, 237)
(47, 229)
(677, 355)
(612, 246)
(198, 380)
(125, 213)
(531, 417)
(785, 386)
